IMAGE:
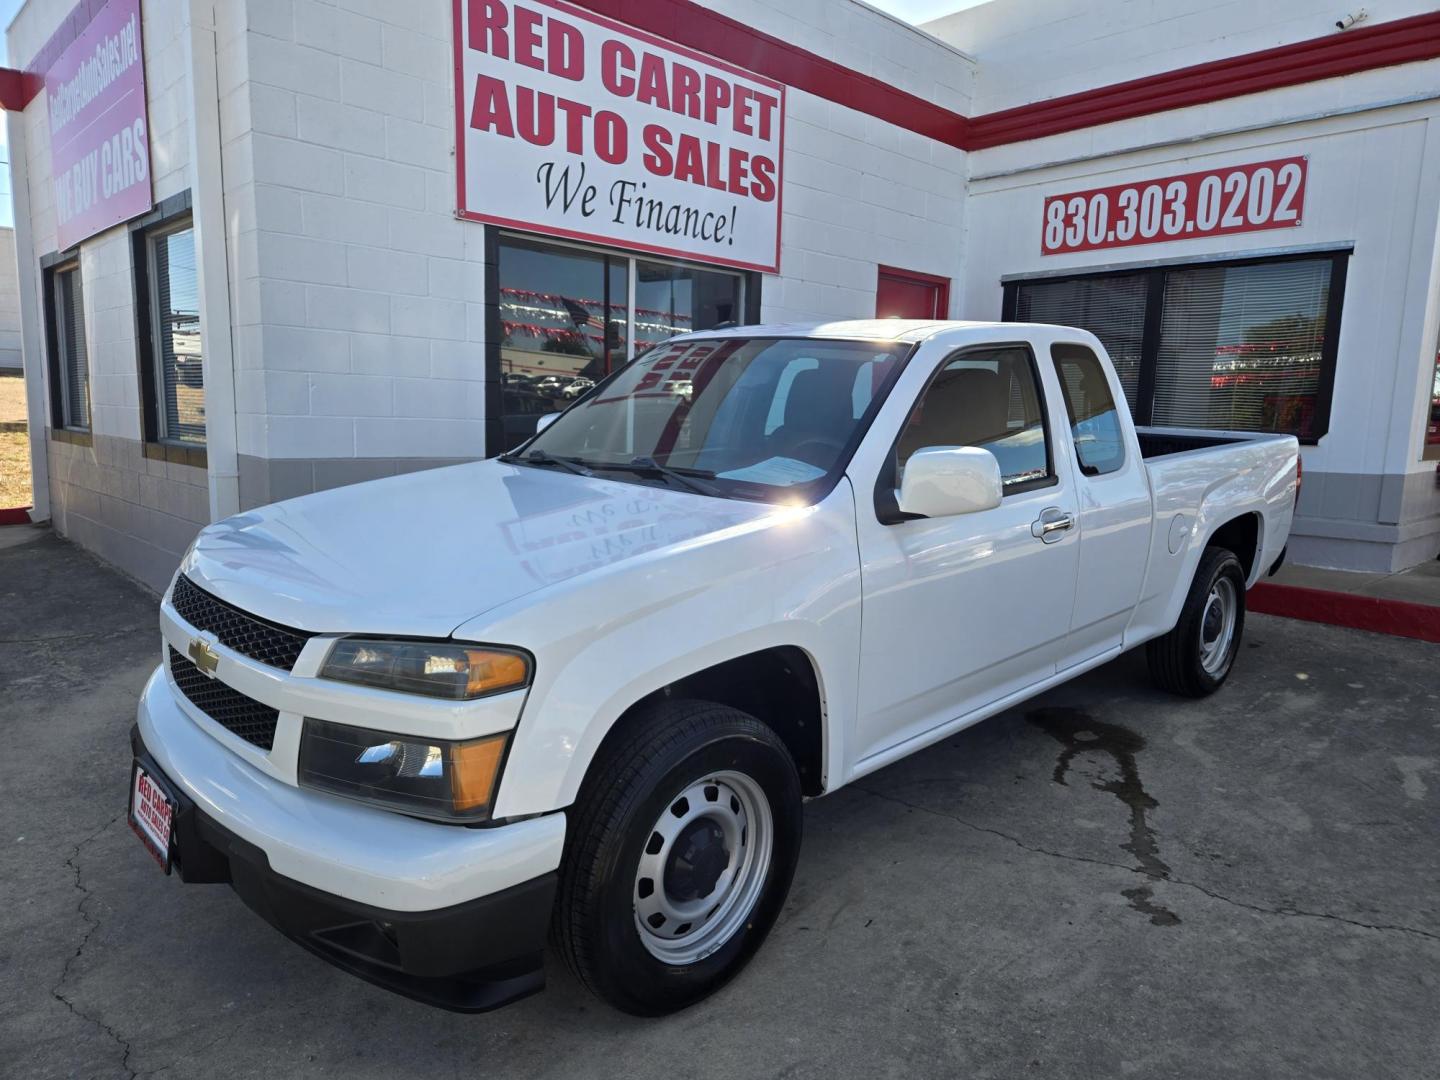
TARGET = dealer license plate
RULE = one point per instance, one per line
(152, 815)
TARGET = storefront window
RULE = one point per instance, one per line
(672, 300)
(566, 320)
(1248, 346)
(563, 319)
(1111, 307)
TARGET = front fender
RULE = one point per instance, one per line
(606, 640)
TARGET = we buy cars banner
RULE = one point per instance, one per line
(571, 124)
(99, 142)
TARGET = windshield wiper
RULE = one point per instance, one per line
(694, 479)
(540, 457)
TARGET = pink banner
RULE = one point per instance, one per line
(99, 138)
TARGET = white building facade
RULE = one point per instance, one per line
(354, 238)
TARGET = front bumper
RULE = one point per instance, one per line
(451, 916)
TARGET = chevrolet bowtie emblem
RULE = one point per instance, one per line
(206, 658)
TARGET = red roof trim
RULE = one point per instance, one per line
(1400, 41)
(706, 31)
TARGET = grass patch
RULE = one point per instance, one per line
(14, 469)
(12, 397)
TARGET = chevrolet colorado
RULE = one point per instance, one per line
(582, 689)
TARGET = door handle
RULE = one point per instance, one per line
(1052, 524)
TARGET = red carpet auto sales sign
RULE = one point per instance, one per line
(574, 125)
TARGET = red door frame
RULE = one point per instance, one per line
(941, 285)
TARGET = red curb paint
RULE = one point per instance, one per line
(1397, 617)
(20, 515)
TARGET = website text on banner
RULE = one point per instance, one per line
(577, 126)
(99, 140)
(1243, 198)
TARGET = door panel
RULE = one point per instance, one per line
(961, 611)
(1113, 492)
(902, 294)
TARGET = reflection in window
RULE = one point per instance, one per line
(672, 300)
(565, 320)
(1094, 420)
(985, 399)
(175, 315)
(1240, 346)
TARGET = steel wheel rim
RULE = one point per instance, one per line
(1217, 626)
(676, 927)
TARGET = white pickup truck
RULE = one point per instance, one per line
(584, 688)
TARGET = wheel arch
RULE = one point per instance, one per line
(779, 685)
(1241, 534)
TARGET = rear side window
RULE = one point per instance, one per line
(987, 398)
(1099, 444)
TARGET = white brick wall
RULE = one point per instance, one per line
(352, 208)
(364, 293)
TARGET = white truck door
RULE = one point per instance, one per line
(1114, 499)
(961, 611)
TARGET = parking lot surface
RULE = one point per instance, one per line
(1104, 882)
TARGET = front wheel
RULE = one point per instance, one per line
(682, 844)
(1195, 658)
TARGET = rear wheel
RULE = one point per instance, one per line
(682, 845)
(1195, 658)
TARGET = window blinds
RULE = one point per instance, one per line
(1240, 346)
(1112, 308)
(178, 351)
(74, 359)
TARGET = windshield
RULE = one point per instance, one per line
(773, 418)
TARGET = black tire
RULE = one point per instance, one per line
(1176, 660)
(638, 774)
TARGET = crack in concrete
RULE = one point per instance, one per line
(1069, 857)
(92, 925)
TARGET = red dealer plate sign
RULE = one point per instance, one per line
(1244, 198)
(574, 125)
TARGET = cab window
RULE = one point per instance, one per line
(1094, 421)
(988, 398)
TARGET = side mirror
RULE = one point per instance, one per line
(941, 481)
(545, 421)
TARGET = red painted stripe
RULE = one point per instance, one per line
(709, 32)
(1400, 41)
(1398, 617)
(1386, 44)
(18, 516)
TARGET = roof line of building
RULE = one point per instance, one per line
(1400, 41)
(1386, 44)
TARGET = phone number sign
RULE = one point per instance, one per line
(1245, 198)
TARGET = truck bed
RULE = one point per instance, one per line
(1161, 442)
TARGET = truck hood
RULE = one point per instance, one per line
(420, 554)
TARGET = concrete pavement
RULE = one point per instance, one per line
(1105, 882)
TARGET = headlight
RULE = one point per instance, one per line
(434, 668)
(433, 778)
